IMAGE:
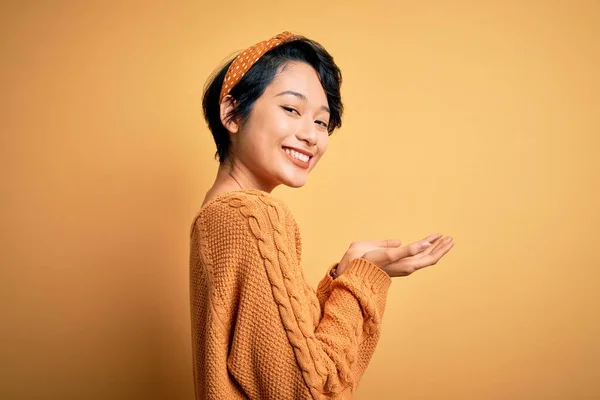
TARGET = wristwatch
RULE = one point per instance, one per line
(333, 272)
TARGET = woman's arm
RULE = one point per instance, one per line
(277, 346)
(324, 287)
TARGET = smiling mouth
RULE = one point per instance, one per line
(297, 155)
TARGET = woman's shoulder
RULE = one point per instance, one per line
(253, 199)
(231, 207)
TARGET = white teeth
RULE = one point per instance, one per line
(295, 154)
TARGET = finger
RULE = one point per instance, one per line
(443, 249)
(435, 256)
(407, 266)
(407, 251)
(434, 246)
(432, 238)
(389, 243)
(385, 256)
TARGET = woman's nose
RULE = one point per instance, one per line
(308, 133)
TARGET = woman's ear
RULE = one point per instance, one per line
(227, 105)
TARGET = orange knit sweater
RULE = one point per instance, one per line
(259, 330)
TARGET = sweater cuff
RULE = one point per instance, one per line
(370, 274)
(324, 287)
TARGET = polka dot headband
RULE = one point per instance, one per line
(244, 61)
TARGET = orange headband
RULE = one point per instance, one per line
(242, 63)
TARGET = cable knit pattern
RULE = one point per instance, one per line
(259, 330)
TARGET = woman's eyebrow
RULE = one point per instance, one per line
(301, 97)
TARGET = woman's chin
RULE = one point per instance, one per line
(294, 181)
(296, 185)
(292, 176)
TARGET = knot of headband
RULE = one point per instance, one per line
(242, 63)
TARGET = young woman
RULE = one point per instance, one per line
(259, 330)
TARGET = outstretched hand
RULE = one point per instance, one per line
(396, 260)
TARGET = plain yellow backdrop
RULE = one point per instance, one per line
(479, 120)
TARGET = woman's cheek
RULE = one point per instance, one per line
(316, 160)
(286, 127)
(323, 144)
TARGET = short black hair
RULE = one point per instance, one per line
(261, 74)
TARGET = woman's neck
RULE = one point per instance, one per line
(231, 176)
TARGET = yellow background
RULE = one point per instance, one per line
(479, 120)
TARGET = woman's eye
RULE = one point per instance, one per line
(293, 110)
(290, 109)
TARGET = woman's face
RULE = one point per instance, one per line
(286, 132)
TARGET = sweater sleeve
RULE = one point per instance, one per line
(324, 287)
(276, 342)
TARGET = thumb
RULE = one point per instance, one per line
(389, 243)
